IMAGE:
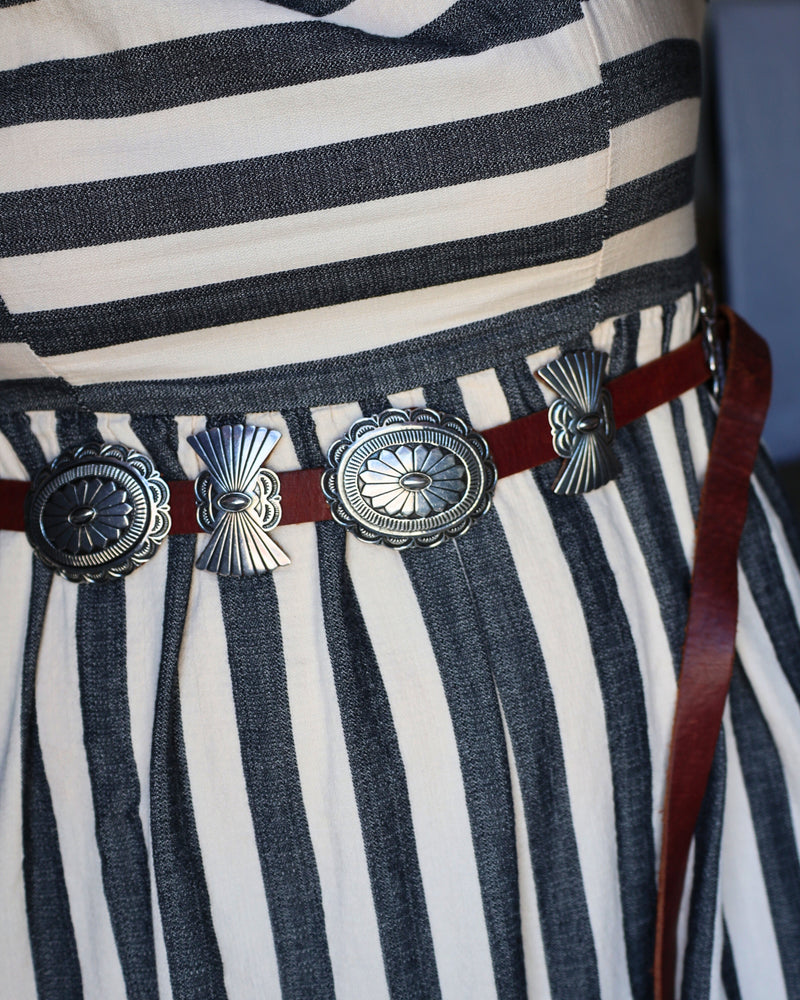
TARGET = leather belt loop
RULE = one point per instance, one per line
(708, 651)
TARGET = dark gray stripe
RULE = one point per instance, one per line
(7, 324)
(225, 419)
(504, 634)
(79, 328)
(442, 355)
(729, 978)
(644, 493)
(465, 667)
(76, 427)
(645, 81)
(620, 682)
(60, 331)
(308, 180)
(759, 560)
(698, 958)
(258, 675)
(647, 198)
(772, 821)
(241, 61)
(647, 285)
(376, 766)
(53, 948)
(378, 780)
(195, 964)
(679, 420)
(35, 394)
(116, 794)
(643, 489)
(159, 436)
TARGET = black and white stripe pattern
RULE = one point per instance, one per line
(373, 774)
(426, 775)
(306, 184)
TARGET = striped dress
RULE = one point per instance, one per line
(372, 774)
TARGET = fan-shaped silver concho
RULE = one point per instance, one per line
(97, 512)
(409, 478)
(238, 501)
(581, 421)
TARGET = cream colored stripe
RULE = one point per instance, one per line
(220, 800)
(326, 332)
(782, 548)
(144, 616)
(550, 593)
(144, 613)
(63, 29)
(621, 27)
(15, 588)
(428, 747)
(88, 275)
(57, 29)
(388, 17)
(58, 709)
(654, 141)
(533, 953)
(10, 465)
(669, 236)
(368, 323)
(44, 426)
(647, 631)
(317, 113)
(744, 897)
(772, 689)
(325, 778)
(19, 361)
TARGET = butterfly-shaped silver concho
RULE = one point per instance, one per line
(581, 421)
(238, 501)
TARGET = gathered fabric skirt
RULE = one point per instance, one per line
(419, 774)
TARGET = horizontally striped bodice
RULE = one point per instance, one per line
(216, 187)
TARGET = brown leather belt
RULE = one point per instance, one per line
(518, 445)
(708, 649)
(710, 635)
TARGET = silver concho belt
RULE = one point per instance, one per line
(401, 478)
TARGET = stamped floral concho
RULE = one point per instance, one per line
(97, 512)
(408, 478)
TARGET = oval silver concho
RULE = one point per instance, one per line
(97, 512)
(408, 478)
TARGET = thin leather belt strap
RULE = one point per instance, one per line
(518, 445)
(711, 629)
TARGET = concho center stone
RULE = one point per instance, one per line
(405, 481)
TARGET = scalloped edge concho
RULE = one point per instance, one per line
(145, 492)
(409, 478)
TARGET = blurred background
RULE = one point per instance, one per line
(748, 192)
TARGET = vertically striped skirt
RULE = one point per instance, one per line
(373, 774)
